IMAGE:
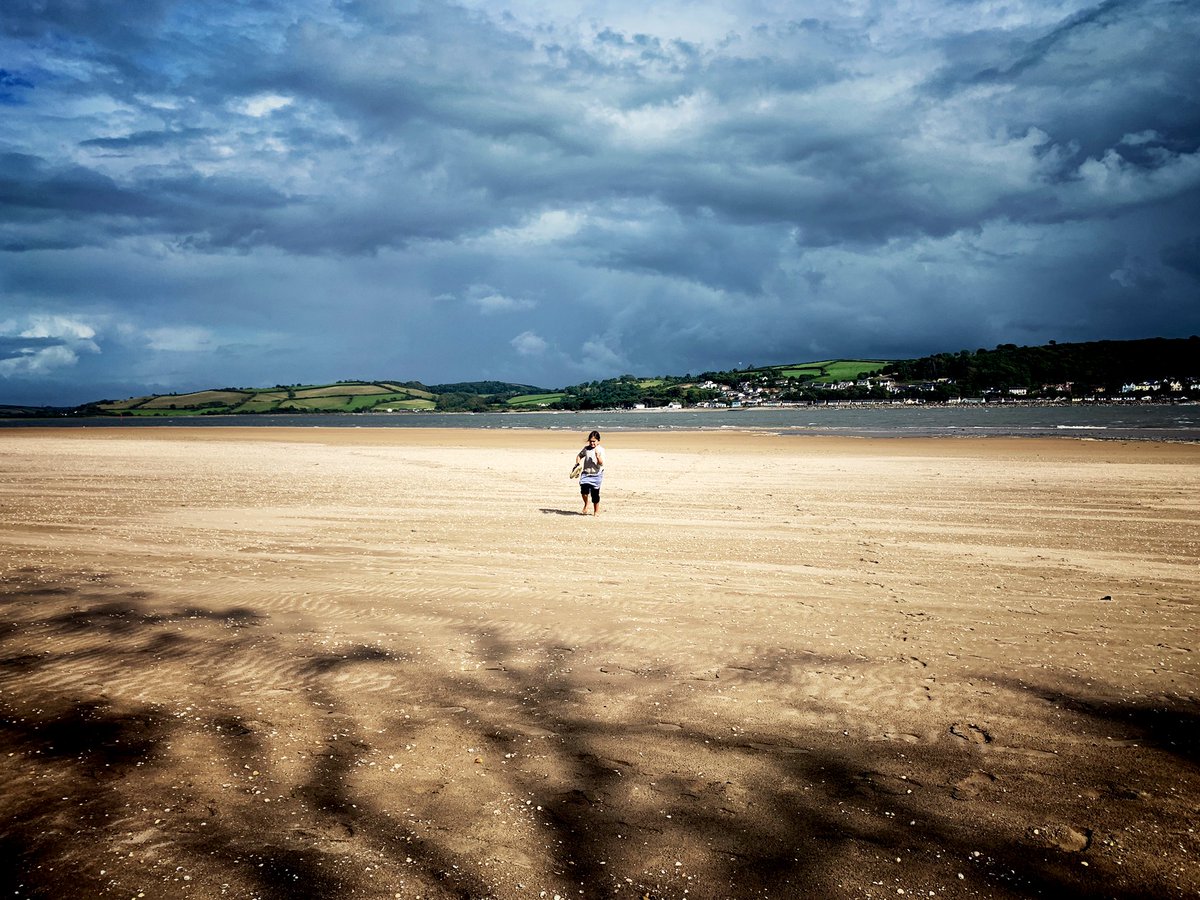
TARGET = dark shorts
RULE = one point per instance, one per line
(587, 490)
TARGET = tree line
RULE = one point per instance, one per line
(1086, 367)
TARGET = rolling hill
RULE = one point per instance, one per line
(1062, 369)
(343, 396)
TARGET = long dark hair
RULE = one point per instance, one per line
(594, 434)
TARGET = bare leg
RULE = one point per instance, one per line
(596, 508)
(585, 505)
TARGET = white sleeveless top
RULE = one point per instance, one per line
(591, 465)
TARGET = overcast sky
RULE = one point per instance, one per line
(200, 194)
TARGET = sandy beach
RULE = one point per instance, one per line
(327, 663)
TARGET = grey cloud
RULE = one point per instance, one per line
(13, 87)
(159, 138)
(1184, 256)
(1054, 80)
(12, 345)
(703, 250)
(87, 207)
(29, 183)
(95, 20)
(107, 38)
(1100, 16)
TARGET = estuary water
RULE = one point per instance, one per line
(1142, 422)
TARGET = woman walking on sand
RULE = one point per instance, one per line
(592, 459)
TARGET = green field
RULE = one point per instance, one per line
(535, 399)
(377, 401)
(125, 404)
(412, 392)
(344, 397)
(830, 369)
(317, 404)
(259, 403)
(341, 390)
(196, 400)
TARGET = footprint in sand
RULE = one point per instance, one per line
(1114, 791)
(972, 734)
(1061, 837)
(973, 785)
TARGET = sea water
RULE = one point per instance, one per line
(1155, 422)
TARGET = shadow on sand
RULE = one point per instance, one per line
(291, 790)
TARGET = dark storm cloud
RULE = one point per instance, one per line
(158, 138)
(13, 346)
(1104, 15)
(93, 208)
(13, 87)
(263, 185)
(1107, 71)
(95, 20)
(1184, 256)
(30, 184)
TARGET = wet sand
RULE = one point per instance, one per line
(276, 662)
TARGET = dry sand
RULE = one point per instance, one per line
(270, 662)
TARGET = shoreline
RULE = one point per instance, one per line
(66, 412)
(756, 440)
(1177, 432)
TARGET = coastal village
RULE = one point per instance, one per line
(776, 392)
